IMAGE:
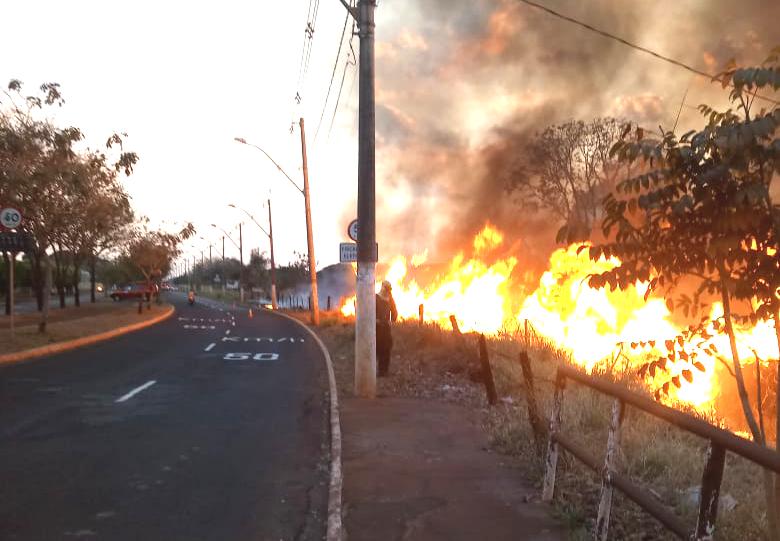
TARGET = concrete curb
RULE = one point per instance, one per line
(335, 527)
(59, 347)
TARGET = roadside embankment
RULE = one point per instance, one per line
(75, 327)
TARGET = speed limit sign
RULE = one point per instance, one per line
(10, 218)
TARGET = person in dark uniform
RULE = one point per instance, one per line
(386, 313)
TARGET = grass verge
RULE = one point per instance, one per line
(71, 324)
(431, 362)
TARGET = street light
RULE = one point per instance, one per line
(315, 308)
(240, 247)
(270, 235)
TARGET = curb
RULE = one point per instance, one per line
(59, 347)
(335, 527)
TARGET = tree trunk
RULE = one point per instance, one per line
(777, 413)
(92, 279)
(47, 298)
(38, 278)
(769, 492)
(59, 279)
(76, 280)
(741, 389)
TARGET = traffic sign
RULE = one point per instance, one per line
(348, 252)
(352, 230)
(11, 241)
(10, 218)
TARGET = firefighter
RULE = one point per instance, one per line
(386, 313)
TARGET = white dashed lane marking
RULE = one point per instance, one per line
(135, 391)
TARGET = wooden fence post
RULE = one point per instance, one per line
(540, 431)
(487, 373)
(421, 311)
(329, 303)
(455, 327)
(551, 462)
(710, 491)
(613, 445)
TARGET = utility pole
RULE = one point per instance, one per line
(223, 263)
(209, 254)
(315, 305)
(241, 260)
(273, 263)
(365, 309)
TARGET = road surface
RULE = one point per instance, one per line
(210, 425)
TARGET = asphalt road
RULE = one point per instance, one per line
(210, 425)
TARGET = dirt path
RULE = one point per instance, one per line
(421, 470)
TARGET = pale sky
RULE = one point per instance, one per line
(183, 79)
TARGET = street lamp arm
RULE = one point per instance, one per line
(251, 218)
(279, 167)
(227, 235)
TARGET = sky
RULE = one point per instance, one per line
(457, 81)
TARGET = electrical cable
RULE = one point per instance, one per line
(629, 44)
(332, 75)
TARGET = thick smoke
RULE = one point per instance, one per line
(462, 84)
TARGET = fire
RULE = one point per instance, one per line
(598, 327)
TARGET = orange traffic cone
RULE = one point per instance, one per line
(251, 314)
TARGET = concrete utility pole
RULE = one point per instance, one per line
(223, 264)
(365, 309)
(315, 305)
(273, 263)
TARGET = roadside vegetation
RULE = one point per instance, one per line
(71, 323)
(430, 362)
(75, 209)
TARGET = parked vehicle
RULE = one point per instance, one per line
(135, 291)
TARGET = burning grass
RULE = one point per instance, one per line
(429, 361)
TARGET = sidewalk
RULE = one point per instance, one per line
(418, 470)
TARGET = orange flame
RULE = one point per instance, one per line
(596, 326)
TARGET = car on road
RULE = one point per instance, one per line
(134, 291)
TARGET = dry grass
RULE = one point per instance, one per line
(74, 323)
(430, 362)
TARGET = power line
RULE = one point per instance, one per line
(308, 39)
(332, 75)
(629, 44)
(351, 61)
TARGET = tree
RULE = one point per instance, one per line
(566, 170)
(73, 203)
(704, 211)
(293, 273)
(151, 252)
(33, 153)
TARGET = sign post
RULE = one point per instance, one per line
(10, 218)
(11, 263)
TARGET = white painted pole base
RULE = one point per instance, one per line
(365, 331)
(273, 297)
